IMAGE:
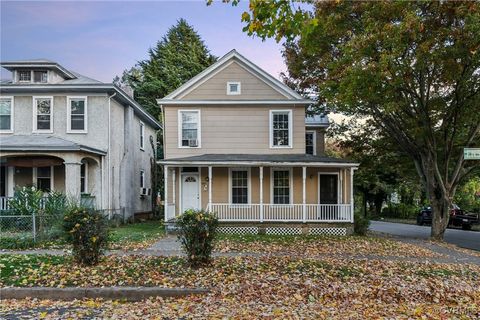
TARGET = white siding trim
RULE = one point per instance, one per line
(12, 114)
(34, 99)
(69, 114)
(290, 129)
(199, 128)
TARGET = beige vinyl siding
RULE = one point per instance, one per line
(233, 130)
(252, 87)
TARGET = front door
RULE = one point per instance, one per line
(190, 191)
(328, 189)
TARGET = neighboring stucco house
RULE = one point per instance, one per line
(62, 131)
(238, 143)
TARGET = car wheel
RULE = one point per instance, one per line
(466, 226)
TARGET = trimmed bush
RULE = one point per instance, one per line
(198, 230)
(87, 231)
(361, 224)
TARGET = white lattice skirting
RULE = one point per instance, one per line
(238, 230)
(290, 231)
(328, 231)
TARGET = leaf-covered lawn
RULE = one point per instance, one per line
(319, 245)
(272, 287)
(136, 235)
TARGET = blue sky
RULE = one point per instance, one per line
(101, 39)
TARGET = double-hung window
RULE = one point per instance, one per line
(44, 178)
(84, 177)
(77, 115)
(40, 76)
(6, 114)
(310, 143)
(42, 117)
(281, 186)
(142, 136)
(281, 128)
(24, 76)
(189, 128)
(239, 186)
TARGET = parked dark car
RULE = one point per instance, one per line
(458, 217)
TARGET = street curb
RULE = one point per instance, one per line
(110, 293)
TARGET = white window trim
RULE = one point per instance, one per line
(35, 177)
(290, 128)
(86, 177)
(34, 99)
(142, 175)
(69, 114)
(249, 186)
(199, 128)
(272, 170)
(314, 141)
(12, 113)
(338, 184)
(234, 93)
(142, 136)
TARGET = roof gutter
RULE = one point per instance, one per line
(258, 163)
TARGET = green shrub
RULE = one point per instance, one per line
(26, 201)
(360, 224)
(55, 204)
(198, 230)
(87, 231)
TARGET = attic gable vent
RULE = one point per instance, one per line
(233, 88)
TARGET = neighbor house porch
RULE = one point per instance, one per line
(261, 189)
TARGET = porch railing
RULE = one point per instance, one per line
(4, 203)
(283, 212)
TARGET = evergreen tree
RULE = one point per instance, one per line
(177, 57)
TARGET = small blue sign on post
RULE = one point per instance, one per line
(471, 153)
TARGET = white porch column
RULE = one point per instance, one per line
(304, 197)
(10, 181)
(174, 187)
(261, 193)
(72, 179)
(342, 187)
(209, 188)
(165, 192)
(351, 195)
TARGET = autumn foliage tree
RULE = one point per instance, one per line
(412, 67)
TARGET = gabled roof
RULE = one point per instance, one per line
(233, 55)
(38, 63)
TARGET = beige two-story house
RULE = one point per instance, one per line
(238, 143)
(62, 131)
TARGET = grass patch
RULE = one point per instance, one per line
(136, 233)
(15, 269)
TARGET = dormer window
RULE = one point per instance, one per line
(24, 76)
(233, 88)
(40, 76)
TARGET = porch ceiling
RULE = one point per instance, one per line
(260, 159)
(42, 143)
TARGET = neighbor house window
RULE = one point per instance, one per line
(142, 135)
(6, 114)
(42, 114)
(280, 129)
(234, 88)
(189, 128)
(142, 178)
(239, 186)
(310, 142)
(44, 178)
(24, 76)
(40, 76)
(83, 178)
(281, 186)
(77, 115)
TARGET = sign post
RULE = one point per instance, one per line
(471, 153)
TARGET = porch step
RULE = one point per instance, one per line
(171, 227)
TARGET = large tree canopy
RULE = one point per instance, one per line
(178, 56)
(412, 67)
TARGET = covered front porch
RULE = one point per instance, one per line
(295, 189)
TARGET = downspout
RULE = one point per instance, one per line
(109, 171)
